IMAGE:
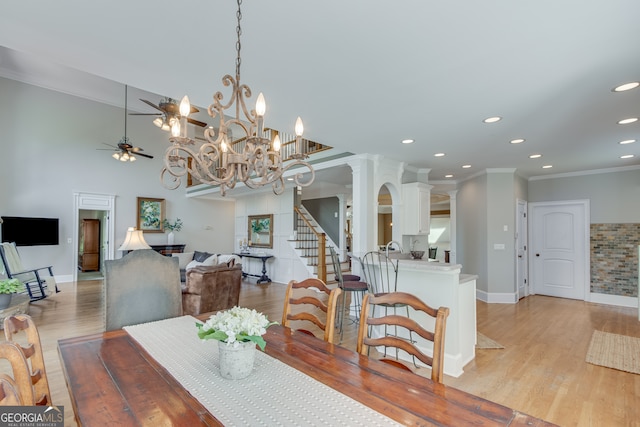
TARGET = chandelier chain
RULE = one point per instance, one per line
(238, 44)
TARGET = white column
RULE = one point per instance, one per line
(452, 225)
(364, 205)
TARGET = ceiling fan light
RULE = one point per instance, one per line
(158, 122)
(116, 156)
(165, 126)
(132, 158)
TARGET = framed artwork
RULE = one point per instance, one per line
(150, 215)
(260, 230)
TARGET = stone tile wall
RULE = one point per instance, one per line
(614, 259)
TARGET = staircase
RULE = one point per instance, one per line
(312, 246)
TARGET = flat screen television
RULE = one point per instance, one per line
(30, 231)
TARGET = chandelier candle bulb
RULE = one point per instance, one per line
(185, 106)
(261, 105)
(299, 129)
(276, 143)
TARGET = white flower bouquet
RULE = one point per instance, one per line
(234, 326)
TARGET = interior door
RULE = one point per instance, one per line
(522, 265)
(559, 236)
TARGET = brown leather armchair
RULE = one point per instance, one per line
(211, 288)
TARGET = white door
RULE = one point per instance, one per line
(559, 236)
(521, 249)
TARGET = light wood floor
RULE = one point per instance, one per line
(541, 371)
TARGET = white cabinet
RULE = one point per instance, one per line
(416, 198)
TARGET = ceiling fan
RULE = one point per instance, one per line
(169, 111)
(124, 151)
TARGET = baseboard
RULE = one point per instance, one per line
(618, 300)
(498, 298)
(64, 278)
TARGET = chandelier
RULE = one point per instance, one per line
(253, 158)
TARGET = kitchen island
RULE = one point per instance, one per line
(441, 284)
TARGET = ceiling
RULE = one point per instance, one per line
(364, 75)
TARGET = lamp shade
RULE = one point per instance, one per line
(134, 240)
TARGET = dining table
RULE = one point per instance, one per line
(161, 373)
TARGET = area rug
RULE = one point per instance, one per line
(484, 342)
(614, 351)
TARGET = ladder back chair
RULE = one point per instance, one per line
(353, 287)
(329, 309)
(368, 333)
(381, 272)
(9, 394)
(20, 385)
(32, 354)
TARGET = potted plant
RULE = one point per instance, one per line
(175, 226)
(7, 288)
(237, 331)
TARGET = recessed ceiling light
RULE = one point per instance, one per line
(627, 121)
(448, 176)
(547, 166)
(492, 119)
(627, 141)
(517, 141)
(438, 155)
(535, 156)
(466, 166)
(408, 141)
(626, 86)
(627, 156)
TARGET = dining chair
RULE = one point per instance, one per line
(143, 286)
(15, 324)
(357, 288)
(19, 387)
(369, 336)
(381, 273)
(329, 308)
(9, 394)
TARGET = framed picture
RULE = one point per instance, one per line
(260, 230)
(150, 215)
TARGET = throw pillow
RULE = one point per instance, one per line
(183, 259)
(200, 256)
(212, 260)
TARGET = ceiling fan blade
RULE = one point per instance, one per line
(107, 149)
(151, 104)
(137, 153)
(196, 122)
(145, 114)
(110, 145)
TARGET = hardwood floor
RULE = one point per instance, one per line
(541, 371)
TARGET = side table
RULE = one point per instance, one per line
(264, 258)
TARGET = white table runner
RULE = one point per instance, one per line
(275, 394)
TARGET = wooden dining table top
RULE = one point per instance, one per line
(112, 380)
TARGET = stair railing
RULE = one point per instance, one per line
(321, 240)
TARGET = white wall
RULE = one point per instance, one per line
(285, 265)
(50, 150)
(614, 193)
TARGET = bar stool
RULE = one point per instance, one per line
(355, 287)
